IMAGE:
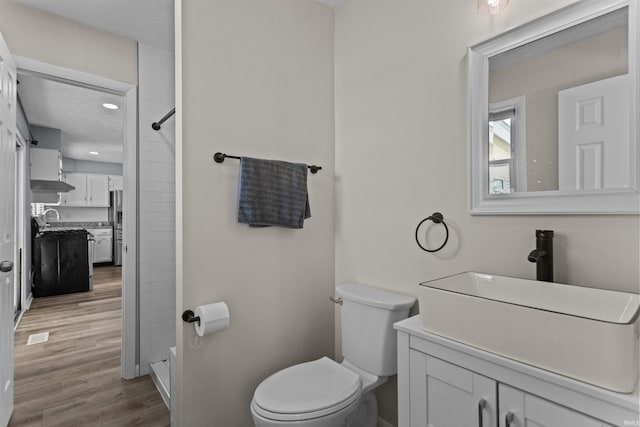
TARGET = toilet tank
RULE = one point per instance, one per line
(368, 337)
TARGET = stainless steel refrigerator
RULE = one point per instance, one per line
(115, 216)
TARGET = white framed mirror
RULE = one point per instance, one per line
(553, 114)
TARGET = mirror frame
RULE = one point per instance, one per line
(622, 201)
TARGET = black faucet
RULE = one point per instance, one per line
(542, 255)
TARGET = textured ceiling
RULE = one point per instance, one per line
(84, 123)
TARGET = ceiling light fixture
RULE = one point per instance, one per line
(491, 7)
(95, 153)
(110, 106)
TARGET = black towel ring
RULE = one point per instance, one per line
(437, 218)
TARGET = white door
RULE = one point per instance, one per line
(593, 135)
(7, 202)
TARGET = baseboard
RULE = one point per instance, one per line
(384, 423)
(29, 301)
(17, 322)
(144, 370)
(22, 311)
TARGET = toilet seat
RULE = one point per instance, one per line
(306, 391)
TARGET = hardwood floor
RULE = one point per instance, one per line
(74, 378)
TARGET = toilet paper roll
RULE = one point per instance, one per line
(213, 318)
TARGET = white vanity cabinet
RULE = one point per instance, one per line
(518, 408)
(446, 395)
(444, 383)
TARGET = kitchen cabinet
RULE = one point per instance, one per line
(103, 244)
(445, 383)
(60, 263)
(45, 164)
(116, 182)
(98, 190)
(77, 197)
(91, 190)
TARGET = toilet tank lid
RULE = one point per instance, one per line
(375, 297)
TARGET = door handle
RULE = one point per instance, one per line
(508, 419)
(6, 266)
(482, 403)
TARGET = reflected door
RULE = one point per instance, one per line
(593, 135)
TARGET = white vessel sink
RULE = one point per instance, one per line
(583, 333)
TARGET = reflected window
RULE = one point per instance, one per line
(506, 146)
(501, 155)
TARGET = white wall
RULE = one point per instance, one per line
(76, 214)
(87, 166)
(156, 206)
(400, 92)
(48, 138)
(35, 34)
(257, 80)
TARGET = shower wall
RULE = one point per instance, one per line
(156, 206)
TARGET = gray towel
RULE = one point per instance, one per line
(273, 192)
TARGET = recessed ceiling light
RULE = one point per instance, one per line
(95, 153)
(110, 106)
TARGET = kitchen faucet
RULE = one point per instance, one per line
(44, 214)
(542, 255)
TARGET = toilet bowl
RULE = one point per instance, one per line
(324, 393)
(321, 393)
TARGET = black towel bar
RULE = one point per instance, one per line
(157, 125)
(219, 158)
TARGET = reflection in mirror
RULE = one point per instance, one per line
(574, 134)
(500, 155)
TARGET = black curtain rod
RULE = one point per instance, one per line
(158, 124)
(219, 158)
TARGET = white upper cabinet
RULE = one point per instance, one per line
(78, 196)
(91, 190)
(45, 164)
(116, 182)
(98, 193)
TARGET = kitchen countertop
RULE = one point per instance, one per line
(86, 224)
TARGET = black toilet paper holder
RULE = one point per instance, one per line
(190, 317)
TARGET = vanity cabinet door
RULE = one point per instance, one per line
(523, 409)
(446, 395)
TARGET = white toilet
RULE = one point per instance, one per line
(324, 393)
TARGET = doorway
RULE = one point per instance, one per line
(20, 271)
(127, 93)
